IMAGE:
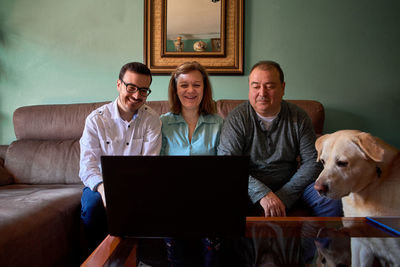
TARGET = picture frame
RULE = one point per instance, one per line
(228, 60)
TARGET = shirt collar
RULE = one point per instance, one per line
(115, 112)
(276, 119)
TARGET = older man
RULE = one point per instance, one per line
(125, 126)
(273, 133)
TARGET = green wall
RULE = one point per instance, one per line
(342, 53)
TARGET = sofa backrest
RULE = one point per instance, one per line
(313, 108)
(47, 147)
(52, 122)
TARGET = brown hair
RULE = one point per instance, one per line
(136, 67)
(207, 104)
(267, 65)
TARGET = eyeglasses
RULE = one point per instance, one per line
(132, 88)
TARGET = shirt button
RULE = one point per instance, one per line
(127, 144)
(108, 143)
(129, 126)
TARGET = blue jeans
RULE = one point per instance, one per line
(93, 215)
(321, 206)
(178, 252)
(318, 206)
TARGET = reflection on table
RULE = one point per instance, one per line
(284, 241)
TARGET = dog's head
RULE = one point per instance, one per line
(333, 248)
(350, 160)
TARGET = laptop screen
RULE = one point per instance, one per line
(176, 196)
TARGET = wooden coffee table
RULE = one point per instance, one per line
(122, 251)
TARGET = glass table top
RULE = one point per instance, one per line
(282, 241)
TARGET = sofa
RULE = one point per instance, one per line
(40, 188)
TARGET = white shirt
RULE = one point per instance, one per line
(106, 133)
(267, 121)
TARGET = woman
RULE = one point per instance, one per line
(191, 128)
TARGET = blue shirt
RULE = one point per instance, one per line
(175, 135)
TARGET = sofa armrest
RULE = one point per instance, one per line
(5, 176)
(3, 150)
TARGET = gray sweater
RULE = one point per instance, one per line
(273, 165)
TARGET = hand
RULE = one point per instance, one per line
(100, 189)
(272, 205)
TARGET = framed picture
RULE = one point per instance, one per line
(167, 43)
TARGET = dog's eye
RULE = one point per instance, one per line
(322, 162)
(341, 163)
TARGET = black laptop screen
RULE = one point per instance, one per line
(176, 196)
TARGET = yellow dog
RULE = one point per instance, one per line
(361, 169)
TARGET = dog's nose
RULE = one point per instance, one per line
(321, 188)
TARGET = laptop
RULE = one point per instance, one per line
(176, 196)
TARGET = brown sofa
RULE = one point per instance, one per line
(40, 188)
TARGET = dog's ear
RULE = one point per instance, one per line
(370, 145)
(319, 144)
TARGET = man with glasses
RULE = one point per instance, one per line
(125, 126)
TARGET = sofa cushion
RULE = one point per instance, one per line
(39, 225)
(3, 150)
(315, 110)
(52, 122)
(44, 162)
(227, 105)
(161, 106)
(5, 176)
